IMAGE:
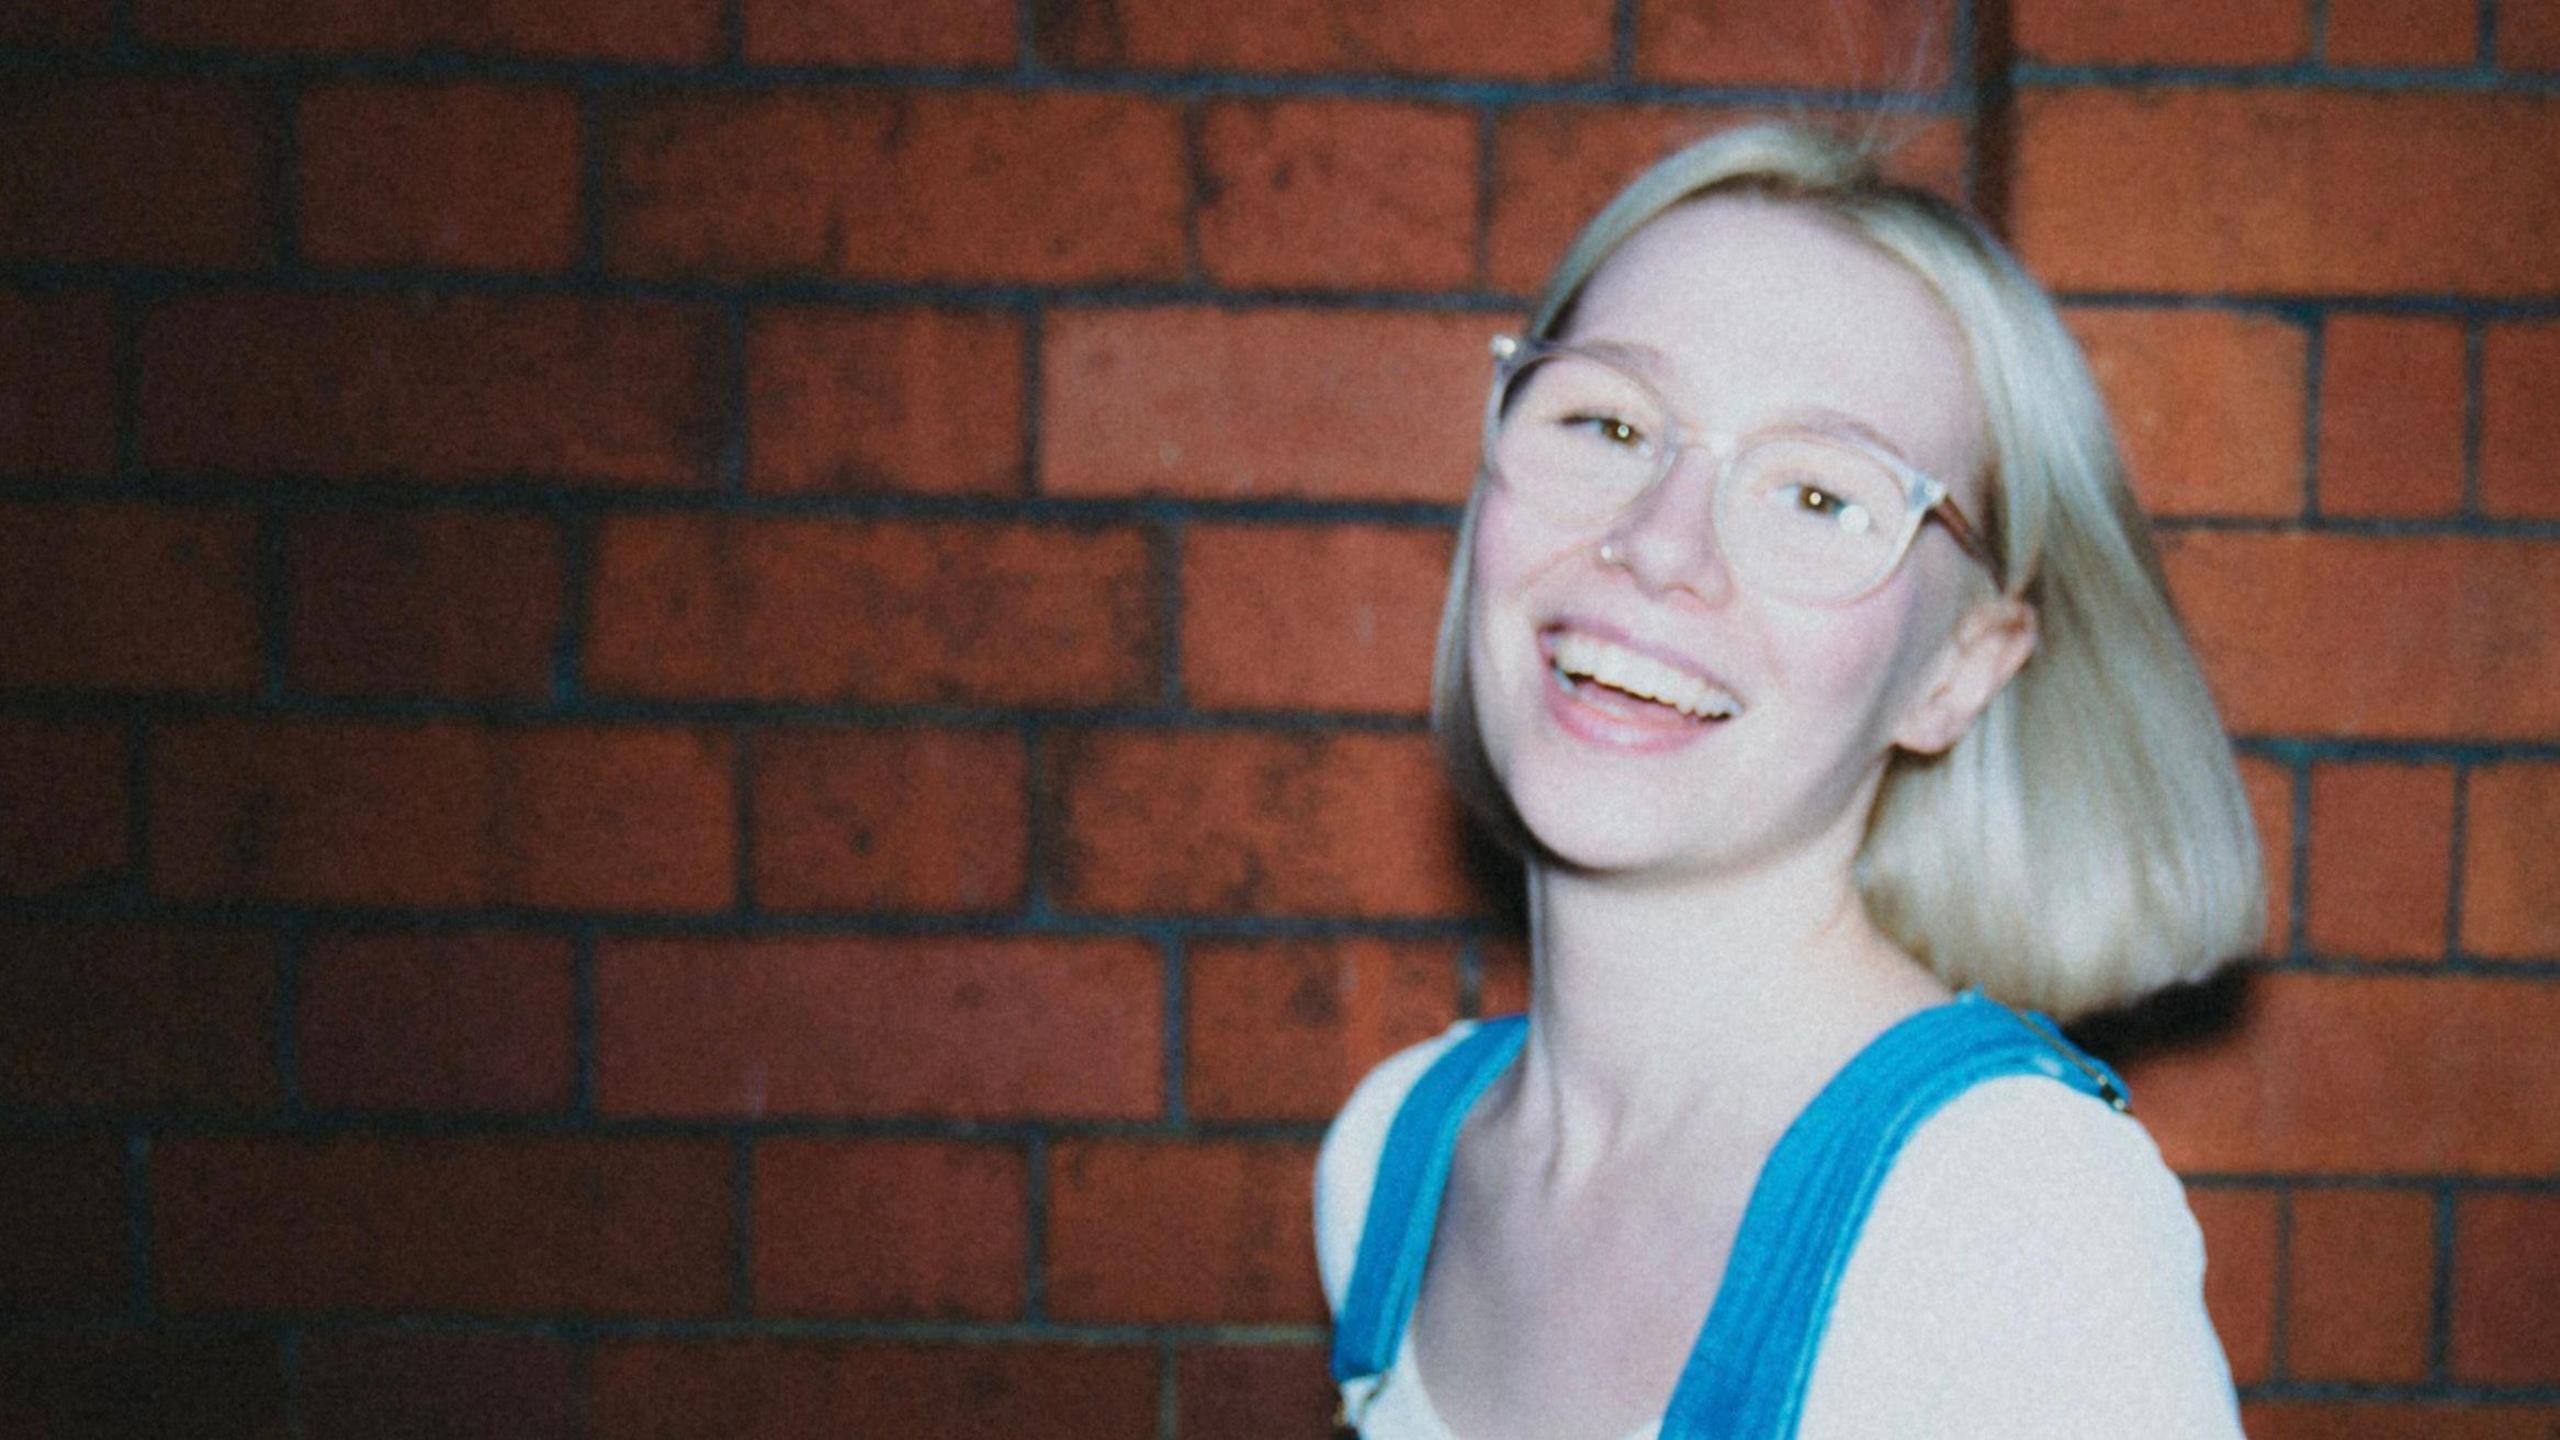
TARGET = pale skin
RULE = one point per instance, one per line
(1702, 961)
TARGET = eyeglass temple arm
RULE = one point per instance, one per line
(1964, 533)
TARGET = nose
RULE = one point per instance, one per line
(1666, 539)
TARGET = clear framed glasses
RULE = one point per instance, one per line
(1812, 515)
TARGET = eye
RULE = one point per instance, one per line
(1814, 500)
(1610, 428)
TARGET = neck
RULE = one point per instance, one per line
(1730, 997)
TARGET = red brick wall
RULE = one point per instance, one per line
(710, 710)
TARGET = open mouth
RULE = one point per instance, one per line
(1626, 682)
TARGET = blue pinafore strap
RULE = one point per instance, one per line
(1745, 1378)
(1404, 1204)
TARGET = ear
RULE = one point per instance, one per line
(1991, 640)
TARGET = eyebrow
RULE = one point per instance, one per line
(1823, 417)
(1654, 363)
(1657, 367)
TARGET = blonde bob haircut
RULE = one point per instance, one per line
(2087, 841)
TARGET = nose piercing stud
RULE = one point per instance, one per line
(1610, 557)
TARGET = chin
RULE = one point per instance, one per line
(1588, 828)
(1669, 821)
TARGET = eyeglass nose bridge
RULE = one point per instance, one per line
(1721, 452)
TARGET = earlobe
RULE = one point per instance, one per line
(1990, 644)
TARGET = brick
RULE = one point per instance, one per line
(1344, 194)
(1842, 45)
(890, 1228)
(1555, 166)
(810, 1390)
(1053, 187)
(1312, 617)
(2207, 404)
(895, 611)
(62, 1224)
(465, 175)
(2506, 1289)
(680, 31)
(2529, 36)
(444, 813)
(2381, 855)
(2289, 191)
(393, 815)
(618, 817)
(364, 1383)
(409, 602)
(57, 22)
(1166, 1231)
(475, 1021)
(451, 389)
(2240, 1248)
(127, 597)
(2460, 650)
(2520, 420)
(2360, 1285)
(879, 32)
(2393, 408)
(955, 1027)
(1233, 822)
(1536, 39)
(1230, 405)
(2510, 876)
(124, 1016)
(920, 401)
(2269, 788)
(57, 384)
(1282, 1029)
(2112, 32)
(203, 1386)
(134, 172)
(2292, 1086)
(472, 1224)
(1253, 1392)
(1502, 977)
(63, 805)
(2436, 1420)
(2400, 32)
(890, 819)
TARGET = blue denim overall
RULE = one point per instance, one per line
(1745, 1377)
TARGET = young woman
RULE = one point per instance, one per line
(1805, 642)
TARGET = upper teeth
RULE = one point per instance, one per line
(1620, 668)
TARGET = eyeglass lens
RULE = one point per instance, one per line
(1800, 516)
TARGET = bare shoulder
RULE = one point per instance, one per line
(2030, 1267)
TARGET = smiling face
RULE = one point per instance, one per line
(1743, 314)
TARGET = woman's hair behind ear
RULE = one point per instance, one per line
(2088, 840)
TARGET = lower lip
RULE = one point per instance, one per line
(1632, 731)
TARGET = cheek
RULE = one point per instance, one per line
(1494, 568)
(1514, 553)
(1863, 660)
(1512, 546)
